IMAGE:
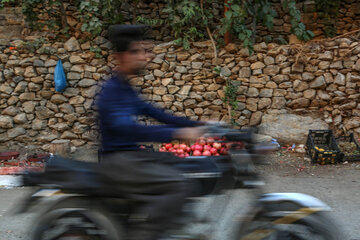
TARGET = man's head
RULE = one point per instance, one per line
(130, 54)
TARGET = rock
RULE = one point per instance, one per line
(352, 123)
(158, 73)
(225, 72)
(89, 92)
(337, 65)
(38, 124)
(13, 100)
(14, 132)
(263, 103)
(300, 86)
(348, 106)
(71, 92)
(319, 82)
(306, 76)
(6, 89)
(77, 100)
(278, 102)
(338, 120)
(68, 135)
(61, 127)
(6, 122)
(357, 65)
(324, 65)
(20, 118)
(210, 96)
(190, 103)
(73, 76)
(255, 118)
(297, 68)
(257, 65)
(231, 48)
(280, 78)
(27, 96)
(196, 65)
(76, 60)
(252, 92)
(181, 69)
(251, 105)
(160, 90)
(323, 95)
(328, 78)
(173, 89)
(167, 81)
(268, 60)
(296, 130)
(72, 45)
(185, 90)
(340, 79)
(266, 93)
(66, 108)
(245, 72)
(327, 55)
(30, 72)
(29, 106)
(20, 88)
(43, 112)
(47, 137)
(272, 70)
(58, 99)
(299, 103)
(87, 83)
(11, 111)
(50, 63)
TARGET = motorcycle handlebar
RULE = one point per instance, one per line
(229, 134)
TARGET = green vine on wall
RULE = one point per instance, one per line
(297, 27)
(328, 11)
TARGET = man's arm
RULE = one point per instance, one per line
(123, 124)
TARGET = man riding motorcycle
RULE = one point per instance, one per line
(134, 173)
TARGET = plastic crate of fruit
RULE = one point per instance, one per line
(322, 148)
(349, 147)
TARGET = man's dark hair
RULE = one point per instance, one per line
(122, 35)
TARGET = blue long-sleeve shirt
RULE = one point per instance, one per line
(119, 105)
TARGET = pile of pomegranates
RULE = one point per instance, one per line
(202, 147)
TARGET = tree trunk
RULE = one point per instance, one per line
(64, 22)
(227, 36)
(253, 37)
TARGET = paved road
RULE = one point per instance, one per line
(340, 190)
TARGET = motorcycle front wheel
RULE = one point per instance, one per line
(72, 222)
(318, 226)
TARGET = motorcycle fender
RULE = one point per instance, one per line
(292, 201)
(45, 199)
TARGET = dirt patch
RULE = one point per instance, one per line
(288, 163)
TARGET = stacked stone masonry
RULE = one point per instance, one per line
(325, 78)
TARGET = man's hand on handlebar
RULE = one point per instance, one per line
(189, 133)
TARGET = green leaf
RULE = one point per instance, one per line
(311, 34)
(228, 14)
(235, 8)
(302, 26)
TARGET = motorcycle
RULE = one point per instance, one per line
(72, 204)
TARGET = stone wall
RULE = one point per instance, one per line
(11, 23)
(30, 109)
(322, 78)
